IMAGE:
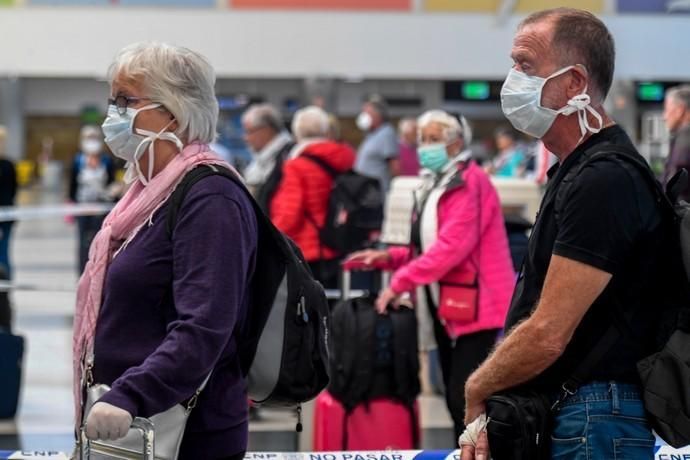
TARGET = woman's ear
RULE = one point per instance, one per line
(455, 147)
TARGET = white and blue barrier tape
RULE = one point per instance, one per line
(14, 213)
(662, 452)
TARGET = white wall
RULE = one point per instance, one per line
(80, 42)
(63, 96)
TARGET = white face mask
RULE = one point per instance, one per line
(521, 104)
(364, 122)
(129, 145)
(91, 146)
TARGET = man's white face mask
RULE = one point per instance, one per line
(521, 104)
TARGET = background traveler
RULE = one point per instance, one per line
(300, 204)
(378, 153)
(459, 237)
(677, 118)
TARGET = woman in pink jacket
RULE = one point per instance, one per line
(458, 264)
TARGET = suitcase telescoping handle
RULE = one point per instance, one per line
(144, 425)
(353, 266)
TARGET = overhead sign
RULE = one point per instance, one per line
(522, 6)
(653, 6)
(397, 5)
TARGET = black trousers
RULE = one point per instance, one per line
(458, 361)
(88, 227)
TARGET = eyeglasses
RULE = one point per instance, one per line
(122, 102)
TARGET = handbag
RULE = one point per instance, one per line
(168, 430)
(520, 425)
(459, 302)
(522, 418)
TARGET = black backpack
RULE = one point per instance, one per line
(665, 375)
(374, 356)
(355, 209)
(284, 345)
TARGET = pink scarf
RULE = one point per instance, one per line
(121, 225)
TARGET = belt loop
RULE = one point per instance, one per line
(615, 402)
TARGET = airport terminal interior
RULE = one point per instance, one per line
(416, 55)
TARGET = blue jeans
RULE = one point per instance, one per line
(5, 233)
(603, 421)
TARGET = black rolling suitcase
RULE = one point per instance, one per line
(11, 357)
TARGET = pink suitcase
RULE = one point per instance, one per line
(381, 424)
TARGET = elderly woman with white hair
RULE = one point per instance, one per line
(459, 264)
(300, 204)
(158, 312)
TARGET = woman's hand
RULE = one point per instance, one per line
(387, 297)
(107, 422)
(369, 257)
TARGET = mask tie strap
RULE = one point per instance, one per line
(152, 137)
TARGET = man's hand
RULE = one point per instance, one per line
(386, 297)
(107, 422)
(474, 401)
(478, 452)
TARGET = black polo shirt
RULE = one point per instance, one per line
(609, 220)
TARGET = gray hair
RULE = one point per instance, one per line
(180, 79)
(90, 131)
(310, 122)
(579, 37)
(405, 124)
(260, 115)
(379, 104)
(680, 94)
(454, 128)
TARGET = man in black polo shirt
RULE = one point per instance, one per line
(597, 260)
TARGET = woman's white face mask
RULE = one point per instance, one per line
(129, 143)
(521, 103)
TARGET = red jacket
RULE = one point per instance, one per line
(304, 191)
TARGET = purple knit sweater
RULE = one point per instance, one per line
(171, 311)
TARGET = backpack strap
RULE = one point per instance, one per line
(322, 164)
(199, 173)
(613, 152)
(608, 153)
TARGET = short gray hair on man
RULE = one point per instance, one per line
(260, 115)
(454, 128)
(680, 93)
(580, 37)
(178, 78)
(379, 104)
(309, 123)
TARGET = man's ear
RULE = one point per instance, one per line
(578, 81)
